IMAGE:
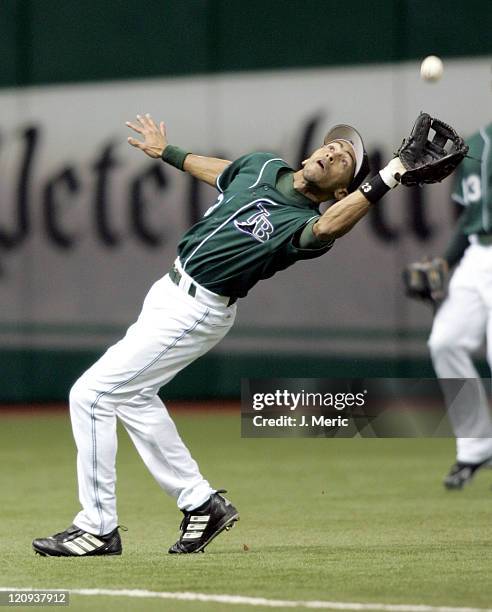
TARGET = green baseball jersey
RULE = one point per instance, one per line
(473, 184)
(249, 233)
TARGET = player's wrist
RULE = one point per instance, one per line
(392, 172)
(174, 156)
(374, 188)
(387, 178)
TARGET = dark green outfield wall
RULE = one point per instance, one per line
(53, 41)
(34, 374)
(44, 375)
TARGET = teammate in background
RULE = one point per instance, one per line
(265, 219)
(464, 320)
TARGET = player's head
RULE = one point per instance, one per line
(339, 166)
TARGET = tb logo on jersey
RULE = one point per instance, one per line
(257, 224)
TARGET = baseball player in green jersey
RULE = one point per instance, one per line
(464, 319)
(265, 219)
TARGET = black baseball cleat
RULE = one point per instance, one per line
(75, 542)
(200, 526)
(461, 474)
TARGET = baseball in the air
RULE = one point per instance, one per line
(431, 68)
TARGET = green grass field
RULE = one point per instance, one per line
(323, 519)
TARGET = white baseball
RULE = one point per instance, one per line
(431, 68)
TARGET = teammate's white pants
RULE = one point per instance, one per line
(172, 330)
(461, 324)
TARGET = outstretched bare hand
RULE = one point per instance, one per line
(155, 139)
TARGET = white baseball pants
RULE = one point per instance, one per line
(172, 330)
(460, 327)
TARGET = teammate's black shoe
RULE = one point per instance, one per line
(199, 527)
(75, 542)
(461, 474)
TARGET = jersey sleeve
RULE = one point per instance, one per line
(307, 247)
(245, 163)
(304, 237)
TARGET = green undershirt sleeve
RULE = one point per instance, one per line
(458, 243)
(307, 239)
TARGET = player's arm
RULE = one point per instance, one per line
(416, 274)
(341, 217)
(459, 240)
(457, 245)
(155, 145)
(205, 169)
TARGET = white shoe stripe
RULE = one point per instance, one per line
(87, 546)
(92, 540)
(193, 535)
(199, 519)
(199, 527)
(72, 547)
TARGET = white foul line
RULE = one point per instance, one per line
(255, 601)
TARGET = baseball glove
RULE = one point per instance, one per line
(430, 161)
(426, 280)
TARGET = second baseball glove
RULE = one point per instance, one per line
(430, 161)
(426, 280)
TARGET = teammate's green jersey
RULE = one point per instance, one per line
(473, 184)
(250, 232)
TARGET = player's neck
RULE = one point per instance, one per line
(309, 190)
